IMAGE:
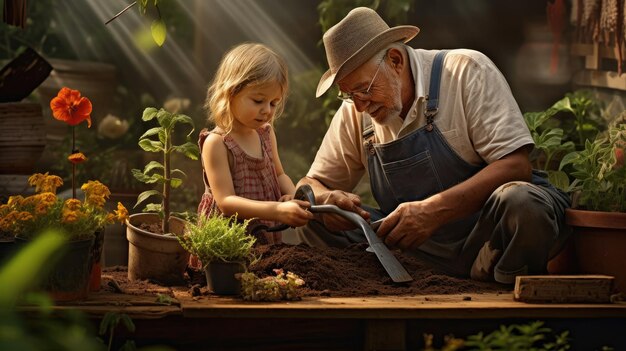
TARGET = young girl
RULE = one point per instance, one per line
(243, 174)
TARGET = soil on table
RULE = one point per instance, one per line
(333, 272)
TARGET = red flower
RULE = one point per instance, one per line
(70, 108)
(77, 158)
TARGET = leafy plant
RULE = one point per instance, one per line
(218, 238)
(159, 140)
(157, 27)
(556, 133)
(110, 322)
(282, 286)
(532, 336)
(598, 171)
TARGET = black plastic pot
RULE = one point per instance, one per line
(220, 277)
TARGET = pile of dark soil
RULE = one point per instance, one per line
(326, 271)
(355, 272)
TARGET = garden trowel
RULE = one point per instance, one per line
(391, 264)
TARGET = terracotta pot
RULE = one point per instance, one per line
(95, 277)
(220, 277)
(154, 256)
(600, 243)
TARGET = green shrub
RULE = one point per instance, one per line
(218, 238)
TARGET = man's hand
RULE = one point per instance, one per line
(408, 226)
(345, 201)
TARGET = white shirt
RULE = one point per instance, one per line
(478, 117)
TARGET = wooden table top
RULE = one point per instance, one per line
(148, 305)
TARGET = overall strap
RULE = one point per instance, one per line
(368, 133)
(432, 105)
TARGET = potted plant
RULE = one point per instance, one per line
(225, 249)
(561, 129)
(79, 220)
(598, 217)
(154, 251)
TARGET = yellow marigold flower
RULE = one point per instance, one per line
(69, 216)
(77, 158)
(110, 218)
(71, 205)
(15, 200)
(41, 208)
(121, 213)
(45, 182)
(48, 197)
(24, 216)
(94, 187)
(96, 200)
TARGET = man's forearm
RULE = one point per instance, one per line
(469, 196)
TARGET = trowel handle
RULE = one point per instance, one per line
(305, 192)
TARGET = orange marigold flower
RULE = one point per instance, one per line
(77, 158)
(68, 106)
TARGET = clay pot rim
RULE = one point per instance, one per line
(136, 216)
(595, 219)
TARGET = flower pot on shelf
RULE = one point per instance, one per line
(600, 243)
(7, 249)
(220, 277)
(67, 278)
(153, 256)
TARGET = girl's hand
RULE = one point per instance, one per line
(294, 212)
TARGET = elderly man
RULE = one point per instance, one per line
(446, 150)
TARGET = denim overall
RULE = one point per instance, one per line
(422, 164)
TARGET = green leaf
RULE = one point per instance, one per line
(174, 171)
(159, 31)
(152, 208)
(183, 119)
(189, 149)
(149, 113)
(150, 132)
(164, 118)
(150, 145)
(176, 182)
(559, 179)
(151, 166)
(145, 195)
(144, 178)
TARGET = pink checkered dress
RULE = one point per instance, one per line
(253, 178)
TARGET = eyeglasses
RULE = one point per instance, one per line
(361, 95)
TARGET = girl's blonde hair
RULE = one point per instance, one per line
(244, 65)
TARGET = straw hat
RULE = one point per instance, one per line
(354, 40)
